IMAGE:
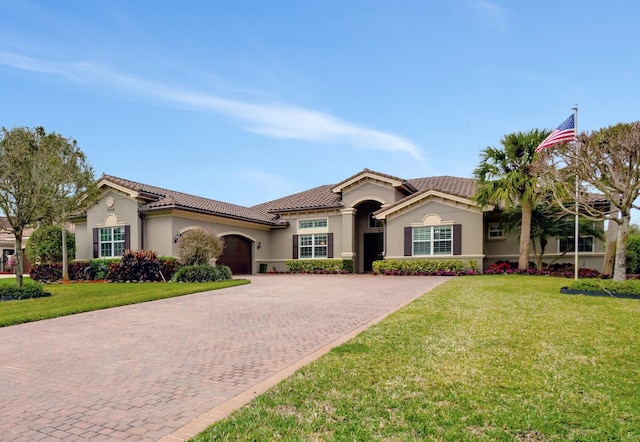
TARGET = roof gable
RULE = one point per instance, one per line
(424, 196)
(368, 175)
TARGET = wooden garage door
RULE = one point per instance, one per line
(236, 254)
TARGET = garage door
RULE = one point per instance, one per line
(236, 254)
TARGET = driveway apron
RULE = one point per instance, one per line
(164, 370)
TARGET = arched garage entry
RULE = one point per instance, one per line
(237, 254)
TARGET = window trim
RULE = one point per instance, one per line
(316, 224)
(572, 243)
(432, 240)
(489, 231)
(112, 242)
(313, 246)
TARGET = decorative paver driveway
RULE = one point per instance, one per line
(166, 369)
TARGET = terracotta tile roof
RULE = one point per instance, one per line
(6, 235)
(320, 197)
(463, 187)
(384, 175)
(159, 198)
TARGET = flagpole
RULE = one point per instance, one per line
(577, 223)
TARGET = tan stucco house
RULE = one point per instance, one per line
(366, 217)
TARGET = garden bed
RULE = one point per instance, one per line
(568, 291)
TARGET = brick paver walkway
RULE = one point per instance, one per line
(166, 369)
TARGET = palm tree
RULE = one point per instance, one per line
(506, 177)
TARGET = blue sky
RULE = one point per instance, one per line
(247, 101)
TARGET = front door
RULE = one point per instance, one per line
(373, 247)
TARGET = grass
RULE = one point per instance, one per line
(485, 358)
(67, 299)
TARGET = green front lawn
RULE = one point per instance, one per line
(67, 299)
(481, 358)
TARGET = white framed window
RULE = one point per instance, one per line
(321, 223)
(432, 240)
(494, 231)
(585, 244)
(111, 241)
(313, 246)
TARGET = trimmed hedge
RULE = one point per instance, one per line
(9, 292)
(320, 265)
(202, 273)
(439, 267)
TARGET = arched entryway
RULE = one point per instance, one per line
(237, 254)
(369, 235)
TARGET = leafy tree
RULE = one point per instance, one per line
(633, 254)
(197, 246)
(506, 177)
(606, 161)
(45, 245)
(547, 221)
(43, 178)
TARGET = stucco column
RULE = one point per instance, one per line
(348, 236)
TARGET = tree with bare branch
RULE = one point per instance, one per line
(606, 162)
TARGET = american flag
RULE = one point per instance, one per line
(565, 132)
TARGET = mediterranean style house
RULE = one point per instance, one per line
(367, 217)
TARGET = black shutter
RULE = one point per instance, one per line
(96, 243)
(295, 246)
(408, 241)
(457, 239)
(330, 245)
(127, 237)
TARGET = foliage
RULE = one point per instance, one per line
(628, 287)
(197, 246)
(564, 270)
(606, 161)
(135, 266)
(100, 267)
(45, 245)
(202, 273)
(10, 292)
(547, 220)
(43, 177)
(439, 267)
(506, 177)
(168, 266)
(320, 265)
(633, 255)
(476, 359)
(69, 299)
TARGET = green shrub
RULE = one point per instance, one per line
(633, 255)
(425, 266)
(9, 292)
(45, 245)
(629, 287)
(100, 267)
(202, 273)
(197, 246)
(136, 266)
(320, 265)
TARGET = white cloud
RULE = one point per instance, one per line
(273, 120)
